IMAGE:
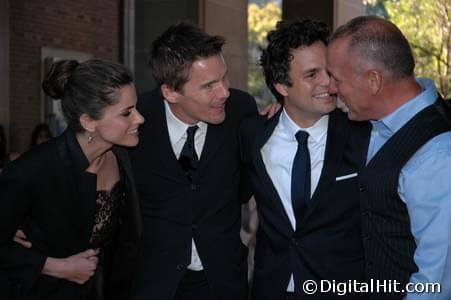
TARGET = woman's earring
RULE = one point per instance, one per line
(90, 138)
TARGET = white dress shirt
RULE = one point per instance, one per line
(278, 156)
(177, 135)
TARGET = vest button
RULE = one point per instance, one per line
(364, 213)
(362, 188)
(193, 187)
(179, 267)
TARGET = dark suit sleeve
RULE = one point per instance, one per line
(249, 106)
(249, 109)
(245, 180)
(17, 263)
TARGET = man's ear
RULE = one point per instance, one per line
(88, 123)
(374, 78)
(169, 93)
(282, 89)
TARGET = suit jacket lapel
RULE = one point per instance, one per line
(260, 140)
(213, 140)
(337, 137)
(132, 207)
(84, 185)
(164, 161)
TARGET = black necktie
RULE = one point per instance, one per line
(300, 176)
(188, 157)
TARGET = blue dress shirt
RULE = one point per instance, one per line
(425, 187)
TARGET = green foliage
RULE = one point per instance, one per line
(261, 19)
(426, 24)
(375, 7)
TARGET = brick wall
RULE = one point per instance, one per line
(84, 25)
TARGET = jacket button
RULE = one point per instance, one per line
(179, 267)
(362, 188)
(193, 187)
(295, 242)
(364, 213)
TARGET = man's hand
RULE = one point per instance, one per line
(77, 268)
(21, 238)
(270, 110)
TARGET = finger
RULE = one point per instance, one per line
(20, 234)
(272, 111)
(90, 267)
(94, 259)
(88, 253)
(89, 272)
(264, 110)
(275, 107)
(24, 243)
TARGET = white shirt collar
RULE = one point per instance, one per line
(177, 128)
(316, 131)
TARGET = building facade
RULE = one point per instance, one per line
(34, 33)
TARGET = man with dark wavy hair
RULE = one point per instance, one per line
(303, 164)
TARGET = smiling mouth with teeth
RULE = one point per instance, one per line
(324, 95)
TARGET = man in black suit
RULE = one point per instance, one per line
(303, 164)
(188, 173)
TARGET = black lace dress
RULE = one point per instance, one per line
(107, 217)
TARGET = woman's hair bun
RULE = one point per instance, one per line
(57, 77)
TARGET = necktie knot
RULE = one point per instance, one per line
(301, 137)
(190, 138)
(191, 131)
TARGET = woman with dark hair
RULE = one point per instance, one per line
(74, 196)
(40, 134)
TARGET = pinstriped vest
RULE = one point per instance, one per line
(388, 242)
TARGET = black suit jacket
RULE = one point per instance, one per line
(175, 210)
(328, 242)
(48, 192)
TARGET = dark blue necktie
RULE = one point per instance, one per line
(300, 176)
(188, 156)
